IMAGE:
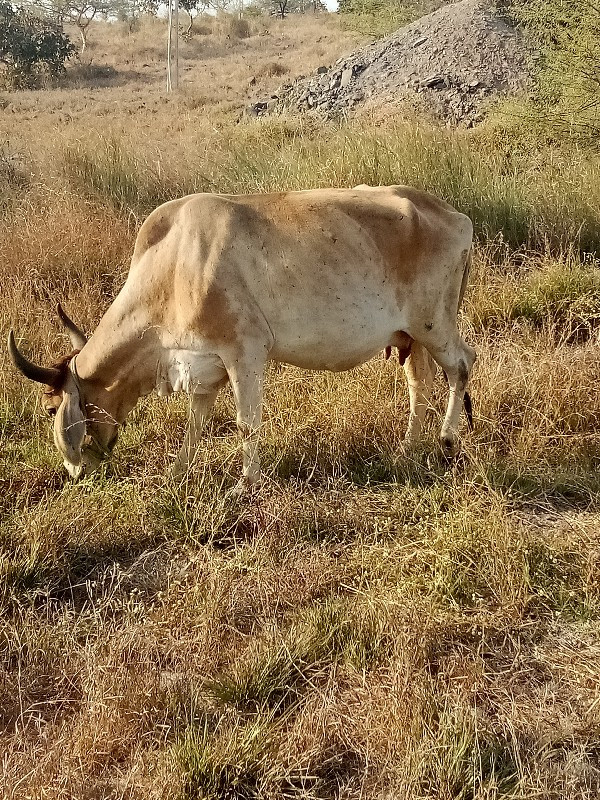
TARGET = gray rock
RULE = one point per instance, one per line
(256, 110)
(347, 76)
(434, 82)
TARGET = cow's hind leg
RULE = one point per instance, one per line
(420, 372)
(457, 360)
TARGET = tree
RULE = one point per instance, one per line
(281, 8)
(80, 13)
(131, 11)
(193, 8)
(139, 8)
(30, 45)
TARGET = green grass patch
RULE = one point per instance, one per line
(562, 297)
(468, 763)
(274, 674)
(226, 763)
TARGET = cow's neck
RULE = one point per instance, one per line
(119, 362)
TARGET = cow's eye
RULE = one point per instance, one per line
(51, 411)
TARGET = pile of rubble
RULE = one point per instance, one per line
(449, 62)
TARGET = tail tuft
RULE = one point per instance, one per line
(469, 410)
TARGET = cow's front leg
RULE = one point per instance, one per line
(419, 368)
(201, 406)
(247, 377)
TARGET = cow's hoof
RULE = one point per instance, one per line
(450, 446)
(409, 446)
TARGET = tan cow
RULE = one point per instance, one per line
(219, 285)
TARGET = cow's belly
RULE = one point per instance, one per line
(335, 315)
(333, 341)
(333, 361)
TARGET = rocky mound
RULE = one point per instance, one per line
(450, 62)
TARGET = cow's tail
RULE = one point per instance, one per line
(468, 405)
(468, 410)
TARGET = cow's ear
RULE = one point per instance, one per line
(69, 423)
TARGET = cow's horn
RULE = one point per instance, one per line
(76, 335)
(48, 375)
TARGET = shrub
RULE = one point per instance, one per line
(30, 45)
(566, 297)
(567, 33)
(380, 17)
(239, 28)
(273, 68)
(232, 27)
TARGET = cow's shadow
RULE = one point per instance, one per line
(361, 465)
(522, 486)
(315, 484)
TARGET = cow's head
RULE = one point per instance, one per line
(83, 431)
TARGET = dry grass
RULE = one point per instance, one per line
(121, 79)
(365, 625)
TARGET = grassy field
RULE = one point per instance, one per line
(365, 625)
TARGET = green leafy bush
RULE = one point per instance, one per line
(567, 34)
(380, 17)
(566, 297)
(30, 46)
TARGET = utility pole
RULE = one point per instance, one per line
(173, 46)
(176, 25)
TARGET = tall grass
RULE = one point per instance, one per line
(108, 172)
(508, 195)
(560, 295)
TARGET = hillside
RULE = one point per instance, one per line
(222, 65)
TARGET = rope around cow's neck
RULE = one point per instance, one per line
(94, 444)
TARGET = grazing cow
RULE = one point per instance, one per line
(219, 285)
